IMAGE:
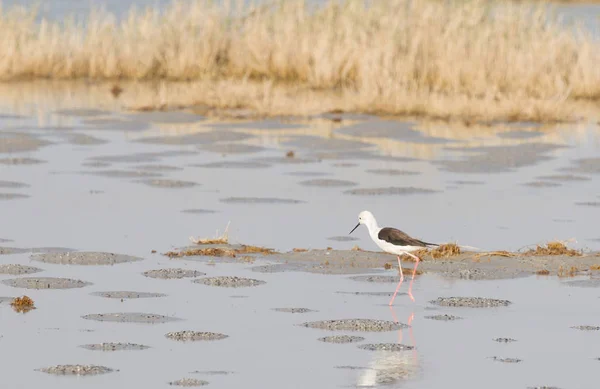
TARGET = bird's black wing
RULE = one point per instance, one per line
(399, 238)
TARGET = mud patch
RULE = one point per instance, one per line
(233, 165)
(197, 138)
(115, 124)
(166, 183)
(328, 183)
(15, 269)
(443, 317)
(499, 159)
(192, 336)
(114, 346)
(11, 250)
(393, 347)
(359, 325)
(588, 203)
(85, 140)
(12, 196)
(78, 370)
(158, 168)
(20, 143)
(373, 294)
(173, 273)
(96, 164)
(563, 178)
(307, 174)
(341, 339)
(506, 360)
(505, 340)
(470, 302)
(294, 310)
(519, 134)
(390, 129)
(260, 200)
(12, 184)
(402, 191)
(584, 166)
(590, 283)
(378, 279)
(81, 112)
(188, 382)
(342, 238)
(131, 317)
(467, 182)
(168, 117)
(45, 283)
(123, 295)
(198, 211)
(122, 173)
(393, 172)
(542, 184)
(287, 160)
(587, 328)
(319, 143)
(229, 282)
(232, 148)
(84, 258)
(20, 161)
(212, 372)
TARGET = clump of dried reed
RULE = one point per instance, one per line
(478, 59)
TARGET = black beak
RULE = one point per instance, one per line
(354, 228)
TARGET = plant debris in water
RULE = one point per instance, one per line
(195, 335)
(172, 273)
(22, 304)
(77, 370)
(554, 248)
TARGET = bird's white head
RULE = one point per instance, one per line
(366, 218)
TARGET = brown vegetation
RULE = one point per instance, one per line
(445, 251)
(477, 60)
(219, 251)
(554, 248)
(22, 304)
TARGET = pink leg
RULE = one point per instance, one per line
(413, 276)
(399, 283)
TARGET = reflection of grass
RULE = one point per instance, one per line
(478, 60)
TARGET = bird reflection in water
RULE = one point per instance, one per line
(392, 367)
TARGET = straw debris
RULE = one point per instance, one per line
(219, 251)
(22, 304)
(554, 248)
(445, 251)
(218, 239)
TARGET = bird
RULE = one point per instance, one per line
(394, 241)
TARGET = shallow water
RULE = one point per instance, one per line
(268, 348)
(96, 196)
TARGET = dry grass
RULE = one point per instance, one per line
(445, 251)
(477, 60)
(22, 304)
(218, 239)
(543, 272)
(219, 251)
(407, 271)
(554, 248)
(595, 267)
